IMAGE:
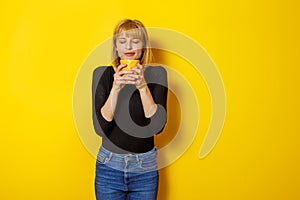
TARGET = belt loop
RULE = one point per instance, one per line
(110, 155)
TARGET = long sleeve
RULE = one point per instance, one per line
(101, 88)
(158, 85)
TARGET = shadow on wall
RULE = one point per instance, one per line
(170, 130)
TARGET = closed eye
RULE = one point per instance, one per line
(136, 41)
(122, 40)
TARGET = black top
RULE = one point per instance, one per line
(129, 131)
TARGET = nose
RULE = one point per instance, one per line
(128, 45)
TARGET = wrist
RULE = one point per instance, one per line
(115, 89)
(142, 87)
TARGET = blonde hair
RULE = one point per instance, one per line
(137, 29)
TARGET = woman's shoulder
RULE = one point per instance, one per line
(156, 69)
(156, 74)
(103, 70)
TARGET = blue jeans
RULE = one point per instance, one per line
(126, 176)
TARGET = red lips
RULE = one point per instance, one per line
(129, 54)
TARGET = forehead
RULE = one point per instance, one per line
(132, 33)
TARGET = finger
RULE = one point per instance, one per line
(123, 82)
(130, 82)
(136, 70)
(120, 67)
(139, 66)
(125, 78)
(123, 72)
(135, 76)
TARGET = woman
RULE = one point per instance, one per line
(130, 106)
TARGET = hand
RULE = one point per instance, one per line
(122, 77)
(138, 74)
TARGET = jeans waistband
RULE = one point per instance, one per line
(128, 156)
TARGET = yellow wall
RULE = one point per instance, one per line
(254, 44)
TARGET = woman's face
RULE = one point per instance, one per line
(129, 47)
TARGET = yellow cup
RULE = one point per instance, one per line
(130, 64)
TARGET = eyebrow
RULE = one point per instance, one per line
(124, 38)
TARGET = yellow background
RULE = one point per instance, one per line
(255, 45)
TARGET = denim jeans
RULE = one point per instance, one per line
(126, 176)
